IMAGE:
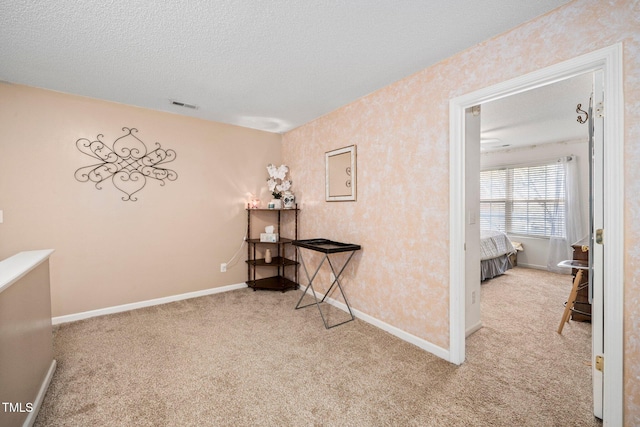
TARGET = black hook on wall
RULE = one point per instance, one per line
(580, 111)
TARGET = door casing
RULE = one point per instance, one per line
(609, 61)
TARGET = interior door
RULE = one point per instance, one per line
(596, 248)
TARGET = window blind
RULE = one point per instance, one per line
(525, 201)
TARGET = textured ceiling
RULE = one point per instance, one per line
(270, 65)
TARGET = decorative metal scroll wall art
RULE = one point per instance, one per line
(127, 163)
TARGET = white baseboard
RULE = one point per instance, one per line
(535, 266)
(148, 303)
(405, 336)
(473, 328)
(37, 403)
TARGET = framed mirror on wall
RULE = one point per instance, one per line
(341, 174)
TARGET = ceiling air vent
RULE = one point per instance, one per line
(183, 104)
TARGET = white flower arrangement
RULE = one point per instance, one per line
(276, 182)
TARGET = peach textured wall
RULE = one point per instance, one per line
(107, 251)
(401, 131)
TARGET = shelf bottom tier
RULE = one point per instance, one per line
(276, 283)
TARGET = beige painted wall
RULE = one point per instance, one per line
(108, 251)
(402, 133)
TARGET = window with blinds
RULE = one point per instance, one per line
(526, 201)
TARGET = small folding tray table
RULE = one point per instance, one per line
(326, 247)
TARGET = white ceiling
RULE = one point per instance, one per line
(270, 65)
(540, 116)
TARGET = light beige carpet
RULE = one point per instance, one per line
(246, 358)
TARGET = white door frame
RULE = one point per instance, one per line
(609, 60)
(596, 250)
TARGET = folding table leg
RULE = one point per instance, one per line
(335, 281)
(310, 279)
(572, 299)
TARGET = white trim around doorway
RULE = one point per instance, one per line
(609, 60)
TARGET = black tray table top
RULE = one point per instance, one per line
(325, 245)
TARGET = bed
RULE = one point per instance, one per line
(495, 249)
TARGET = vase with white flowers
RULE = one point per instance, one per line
(278, 184)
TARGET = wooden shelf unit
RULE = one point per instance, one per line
(284, 255)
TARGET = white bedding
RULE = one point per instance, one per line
(495, 248)
(494, 244)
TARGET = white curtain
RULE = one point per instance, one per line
(574, 229)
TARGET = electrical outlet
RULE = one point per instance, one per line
(223, 267)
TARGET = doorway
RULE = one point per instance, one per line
(522, 138)
(609, 62)
(528, 144)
